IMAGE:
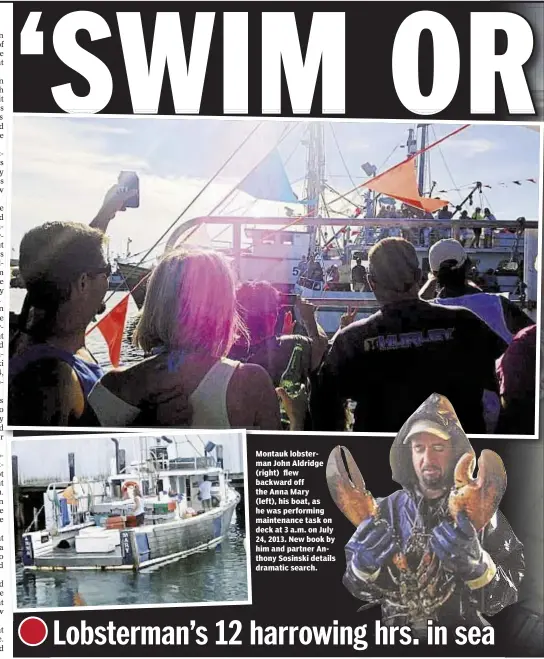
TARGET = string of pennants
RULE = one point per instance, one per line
(501, 184)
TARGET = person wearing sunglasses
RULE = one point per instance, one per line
(66, 273)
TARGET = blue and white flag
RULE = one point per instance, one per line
(269, 181)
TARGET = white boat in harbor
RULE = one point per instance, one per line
(271, 248)
(90, 526)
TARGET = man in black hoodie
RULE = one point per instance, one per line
(478, 572)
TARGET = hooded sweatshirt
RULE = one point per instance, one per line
(413, 518)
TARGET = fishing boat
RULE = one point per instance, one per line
(90, 526)
(116, 281)
(274, 254)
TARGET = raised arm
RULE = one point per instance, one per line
(315, 332)
(114, 201)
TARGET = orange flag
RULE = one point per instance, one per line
(112, 327)
(400, 182)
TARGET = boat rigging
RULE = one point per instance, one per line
(274, 253)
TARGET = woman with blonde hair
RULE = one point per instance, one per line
(188, 325)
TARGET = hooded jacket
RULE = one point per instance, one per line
(413, 518)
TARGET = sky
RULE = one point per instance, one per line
(63, 166)
(47, 459)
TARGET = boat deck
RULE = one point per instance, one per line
(61, 559)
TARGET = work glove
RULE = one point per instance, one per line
(458, 548)
(371, 545)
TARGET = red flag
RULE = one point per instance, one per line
(112, 327)
(288, 323)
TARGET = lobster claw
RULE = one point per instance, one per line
(347, 487)
(479, 497)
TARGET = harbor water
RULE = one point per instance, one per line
(214, 575)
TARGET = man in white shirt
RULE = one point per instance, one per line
(205, 493)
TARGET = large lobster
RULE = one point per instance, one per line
(419, 593)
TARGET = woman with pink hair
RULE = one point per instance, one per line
(188, 325)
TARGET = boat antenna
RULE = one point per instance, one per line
(194, 447)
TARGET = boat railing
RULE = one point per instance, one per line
(373, 222)
(72, 503)
(343, 302)
(237, 222)
(312, 284)
(190, 464)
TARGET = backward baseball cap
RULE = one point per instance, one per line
(447, 250)
(393, 263)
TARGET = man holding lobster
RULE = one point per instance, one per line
(439, 549)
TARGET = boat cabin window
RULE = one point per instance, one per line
(287, 240)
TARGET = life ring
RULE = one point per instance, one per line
(128, 484)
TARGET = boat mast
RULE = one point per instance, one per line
(315, 174)
(422, 158)
(411, 142)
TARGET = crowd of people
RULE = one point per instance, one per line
(313, 274)
(217, 351)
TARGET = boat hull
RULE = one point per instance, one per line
(133, 275)
(143, 546)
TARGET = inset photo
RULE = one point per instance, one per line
(442, 533)
(130, 520)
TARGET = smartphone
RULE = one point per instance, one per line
(130, 181)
